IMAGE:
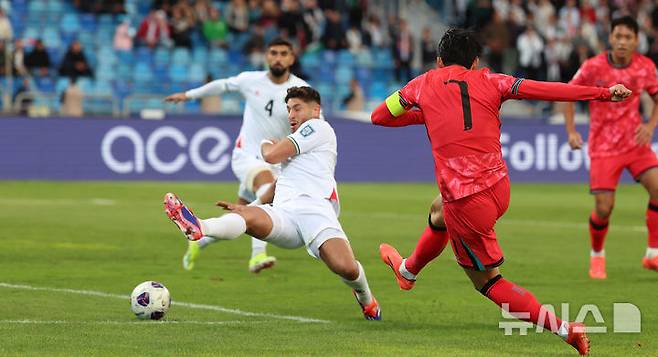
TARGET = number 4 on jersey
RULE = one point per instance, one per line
(268, 106)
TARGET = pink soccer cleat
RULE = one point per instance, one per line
(182, 217)
(578, 338)
(597, 268)
(650, 263)
(392, 258)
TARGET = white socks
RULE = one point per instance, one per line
(228, 226)
(597, 254)
(563, 331)
(406, 273)
(360, 286)
(257, 246)
(651, 252)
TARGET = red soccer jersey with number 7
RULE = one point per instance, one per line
(460, 109)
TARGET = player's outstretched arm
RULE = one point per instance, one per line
(556, 91)
(176, 98)
(215, 87)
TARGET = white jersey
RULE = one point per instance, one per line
(265, 115)
(310, 172)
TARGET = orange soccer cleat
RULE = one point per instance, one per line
(392, 258)
(370, 311)
(597, 268)
(578, 338)
(650, 263)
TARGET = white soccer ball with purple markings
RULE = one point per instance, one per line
(150, 300)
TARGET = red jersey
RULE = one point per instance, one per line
(460, 109)
(612, 124)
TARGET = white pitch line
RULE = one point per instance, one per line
(503, 221)
(175, 303)
(141, 323)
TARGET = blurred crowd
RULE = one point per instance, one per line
(548, 40)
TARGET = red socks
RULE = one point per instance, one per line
(520, 301)
(430, 245)
(598, 228)
(652, 224)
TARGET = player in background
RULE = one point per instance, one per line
(265, 117)
(459, 105)
(305, 207)
(618, 139)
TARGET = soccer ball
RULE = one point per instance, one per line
(150, 300)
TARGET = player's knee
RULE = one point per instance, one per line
(347, 270)
(604, 209)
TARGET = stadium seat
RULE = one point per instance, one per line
(50, 37)
(45, 84)
(217, 57)
(161, 57)
(142, 72)
(88, 23)
(31, 33)
(61, 85)
(103, 87)
(364, 58)
(343, 75)
(345, 58)
(36, 6)
(200, 54)
(55, 6)
(69, 23)
(144, 55)
(86, 84)
(178, 73)
(197, 73)
(106, 55)
(180, 56)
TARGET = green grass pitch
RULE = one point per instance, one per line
(58, 238)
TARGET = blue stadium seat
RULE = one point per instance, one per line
(36, 6)
(86, 84)
(180, 56)
(55, 6)
(329, 57)
(125, 57)
(343, 75)
(124, 72)
(378, 91)
(200, 54)
(69, 23)
(105, 72)
(217, 57)
(45, 84)
(61, 85)
(161, 57)
(104, 36)
(197, 73)
(103, 87)
(383, 58)
(142, 72)
(88, 22)
(178, 73)
(362, 74)
(144, 54)
(345, 58)
(106, 55)
(31, 33)
(364, 58)
(50, 37)
(310, 60)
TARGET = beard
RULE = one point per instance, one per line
(278, 71)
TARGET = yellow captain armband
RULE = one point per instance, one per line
(394, 106)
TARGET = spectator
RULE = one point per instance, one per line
(314, 21)
(334, 34)
(497, 39)
(570, 18)
(154, 29)
(72, 99)
(376, 35)
(269, 14)
(254, 47)
(74, 63)
(19, 59)
(215, 29)
(182, 23)
(355, 100)
(578, 56)
(354, 39)
(531, 49)
(291, 22)
(202, 10)
(543, 14)
(6, 31)
(403, 53)
(3, 59)
(428, 48)
(237, 16)
(38, 61)
(123, 36)
(22, 103)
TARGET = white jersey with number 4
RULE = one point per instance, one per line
(310, 172)
(265, 115)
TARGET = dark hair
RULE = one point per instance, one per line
(459, 46)
(307, 94)
(627, 21)
(280, 41)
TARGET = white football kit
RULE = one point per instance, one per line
(305, 208)
(265, 117)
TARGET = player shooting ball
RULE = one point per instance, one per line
(459, 105)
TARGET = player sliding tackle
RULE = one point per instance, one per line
(459, 106)
(305, 208)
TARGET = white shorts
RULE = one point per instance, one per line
(303, 221)
(246, 167)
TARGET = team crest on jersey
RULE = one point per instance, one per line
(306, 131)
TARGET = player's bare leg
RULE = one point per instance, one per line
(520, 301)
(604, 202)
(649, 179)
(430, 245)
(337, 254)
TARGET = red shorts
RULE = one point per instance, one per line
(604, 172)
(470, 221)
